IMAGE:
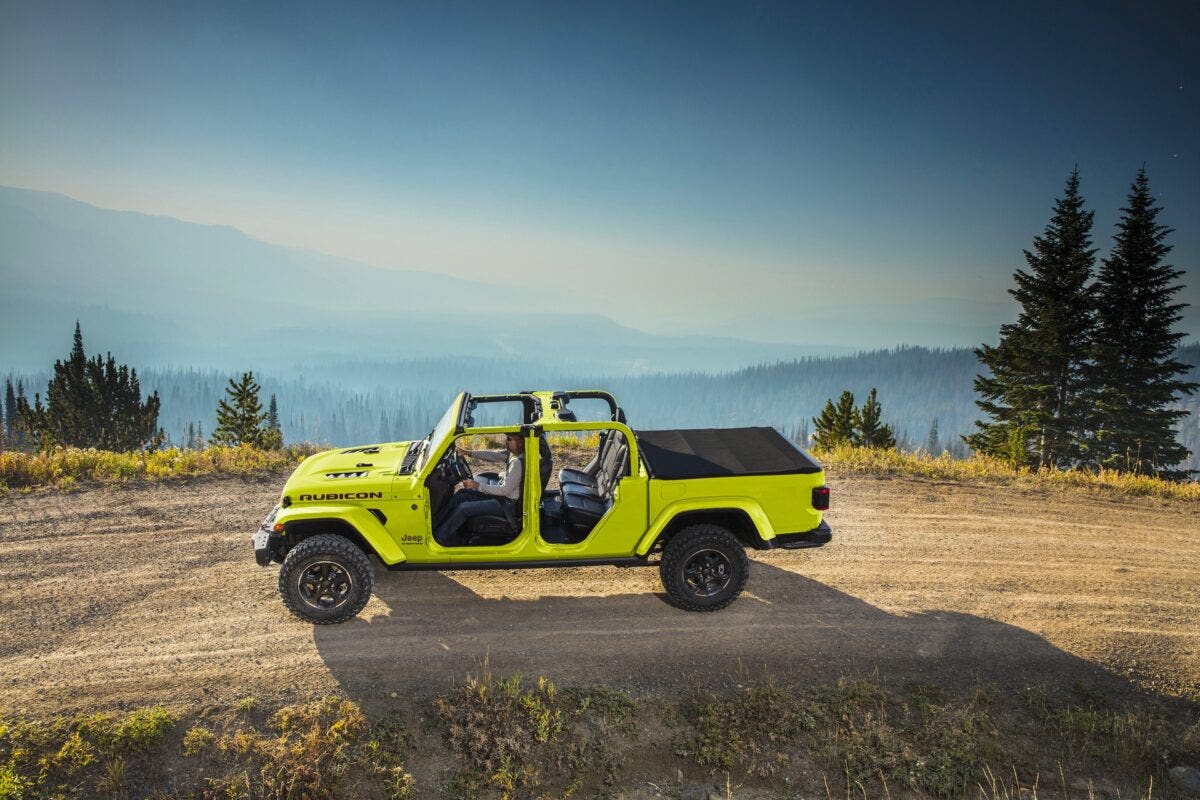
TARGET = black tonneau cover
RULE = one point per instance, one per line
(712, 452)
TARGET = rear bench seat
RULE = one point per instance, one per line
(599, 470)
(587, 475)
(583, 506)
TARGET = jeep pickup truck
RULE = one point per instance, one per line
(687, 501)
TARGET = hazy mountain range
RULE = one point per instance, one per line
(160, 291)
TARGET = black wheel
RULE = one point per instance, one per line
(704, 568)
(326, 579)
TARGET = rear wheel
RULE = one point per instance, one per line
(326, 579)
(704, 568)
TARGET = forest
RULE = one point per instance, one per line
(353, 403)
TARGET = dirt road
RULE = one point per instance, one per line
(120, 597)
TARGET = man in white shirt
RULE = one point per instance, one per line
(477, 499)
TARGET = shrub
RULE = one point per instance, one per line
(63, 467)
(876, 461)
(197, 740)
(497, 728)
(305, 755)
(751, 729)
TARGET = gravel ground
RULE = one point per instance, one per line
(117, 597)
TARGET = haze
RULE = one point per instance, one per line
(772, 172)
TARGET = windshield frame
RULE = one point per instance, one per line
(443, 429)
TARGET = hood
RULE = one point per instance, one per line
(349, 463)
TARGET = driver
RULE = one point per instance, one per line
(475, 499)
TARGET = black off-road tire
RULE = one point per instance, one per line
(704, 568)
(326, 579)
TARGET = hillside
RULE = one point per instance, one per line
(357, 402)
(163, 291)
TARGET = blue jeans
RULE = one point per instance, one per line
(465, 503)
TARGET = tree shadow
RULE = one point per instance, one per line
(434, 630)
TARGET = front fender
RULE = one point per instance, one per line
(360, 519)
(748, 505)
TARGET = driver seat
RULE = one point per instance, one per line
(497, 529)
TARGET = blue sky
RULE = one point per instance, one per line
(745, 169)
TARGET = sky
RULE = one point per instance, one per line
(783, 172)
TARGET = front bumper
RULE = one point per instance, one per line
(262, 547)
(820, 535)
(265, 541)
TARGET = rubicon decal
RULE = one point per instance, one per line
(343, 496)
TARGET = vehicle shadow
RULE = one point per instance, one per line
(433, 630)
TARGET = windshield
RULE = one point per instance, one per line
(441, 430)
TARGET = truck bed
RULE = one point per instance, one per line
(716, 452)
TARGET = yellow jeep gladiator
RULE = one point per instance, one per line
(688, 501)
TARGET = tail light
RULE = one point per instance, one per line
(820, 498)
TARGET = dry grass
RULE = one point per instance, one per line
(501, 737)
(511, 740)
(84, 756)
(869, 740)
(984, 469)
(64, 467)
(498, 729)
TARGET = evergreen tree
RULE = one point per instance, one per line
(10, 414)
(1134, 374)
(1036, 392)
(19, 437)
(91, 403)
(872, 432)
(240, 417)
(273, 435)
(837, 424)
(933, 442)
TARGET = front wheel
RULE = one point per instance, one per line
(704, 568)
(326, 579)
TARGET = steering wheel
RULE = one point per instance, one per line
(459, 469)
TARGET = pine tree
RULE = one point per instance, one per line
(933, 442)
(1036, 393)
(272, 438)
(19, 437)
(871, 432)
(836, 424)
(91, 403)
(240, 418)
(1134, 374)
(10, 414)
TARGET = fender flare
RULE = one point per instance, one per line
(357, 517)
(747, 505)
